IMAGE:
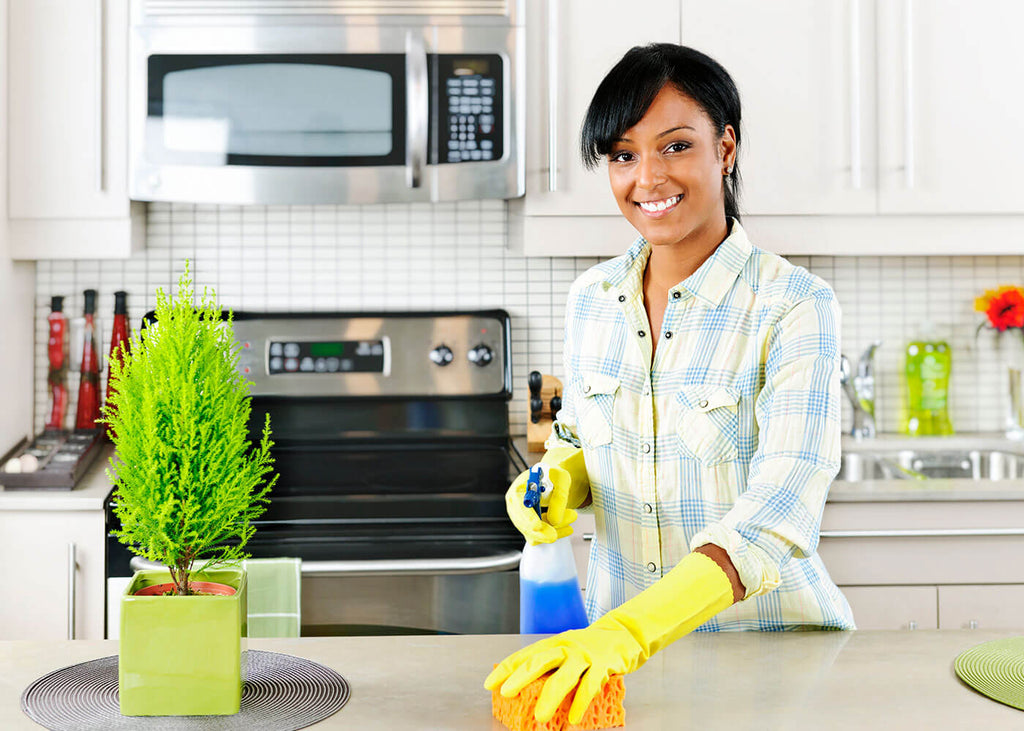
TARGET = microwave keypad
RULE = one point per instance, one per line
(473, 102)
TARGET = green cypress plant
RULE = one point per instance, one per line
(188, 480)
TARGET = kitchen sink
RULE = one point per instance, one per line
(915, 464)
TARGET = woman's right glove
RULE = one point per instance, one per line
(566, 487)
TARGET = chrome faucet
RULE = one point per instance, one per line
(860, 389)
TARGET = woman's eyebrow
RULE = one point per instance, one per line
(663, 134)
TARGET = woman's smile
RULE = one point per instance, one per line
(659, 208)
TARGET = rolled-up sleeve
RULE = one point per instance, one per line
(798, 415)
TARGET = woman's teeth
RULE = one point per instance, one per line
(656, 206)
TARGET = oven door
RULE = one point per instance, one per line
(335, 113)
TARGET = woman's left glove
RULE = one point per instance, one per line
(617, 643)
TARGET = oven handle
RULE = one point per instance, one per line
(479, 565)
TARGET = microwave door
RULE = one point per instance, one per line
(283, 127)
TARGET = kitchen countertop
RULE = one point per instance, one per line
(89, 494)
(742, 680)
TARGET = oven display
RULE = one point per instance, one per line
(325, 356)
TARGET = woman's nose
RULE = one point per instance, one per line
(650, 172)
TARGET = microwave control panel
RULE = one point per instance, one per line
(470, 119)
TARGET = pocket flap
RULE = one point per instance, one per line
(597, 383)
(706, 398)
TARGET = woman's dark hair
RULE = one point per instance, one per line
(625, 94)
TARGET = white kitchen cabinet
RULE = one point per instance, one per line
(578, 46)
(51, 568)
(67, 131)
(981, 607)
(893, 607)
(863, 127)
(581, 539)
(947, 74)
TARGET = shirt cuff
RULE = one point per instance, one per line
(757, 571)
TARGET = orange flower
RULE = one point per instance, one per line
(1004, 307)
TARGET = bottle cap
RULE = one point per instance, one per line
(120, 303)
(90, 301)
(57, 304)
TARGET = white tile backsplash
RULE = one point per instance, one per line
(455, 256)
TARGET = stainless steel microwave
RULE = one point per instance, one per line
(326, 101)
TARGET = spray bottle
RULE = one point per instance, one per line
(550, 600)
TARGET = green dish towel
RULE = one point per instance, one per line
(275, 596)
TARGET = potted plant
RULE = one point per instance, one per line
(188, 483)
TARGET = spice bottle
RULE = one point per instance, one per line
(89, 385)
(57, 354)
(118, 338)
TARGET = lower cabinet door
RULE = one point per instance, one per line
(980, 606)
(893, 607)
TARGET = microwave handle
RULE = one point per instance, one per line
(416, 104)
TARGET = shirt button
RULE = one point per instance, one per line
(622, 298)
(668, 333)
(652, 567)
(676, 295)
(647, 448)
(703, 403)
(586, 389)
(648, 508)
(647, 390)
(641, 333)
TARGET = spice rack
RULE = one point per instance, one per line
(60, 459)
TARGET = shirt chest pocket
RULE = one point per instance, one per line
(708, 423)
(596, 408)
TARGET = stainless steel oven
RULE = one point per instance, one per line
(326, 101)
(393, 449)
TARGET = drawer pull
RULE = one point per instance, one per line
(923, 533)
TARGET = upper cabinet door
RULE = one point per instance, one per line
(67, 112)
(951, 112)
(577, 47)
(805, 73)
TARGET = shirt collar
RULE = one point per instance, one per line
(709, 283)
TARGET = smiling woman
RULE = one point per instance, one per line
(719, 402)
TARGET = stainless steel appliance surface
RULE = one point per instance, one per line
(326, 101)
(392, 444)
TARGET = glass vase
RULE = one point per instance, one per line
(1014, 358)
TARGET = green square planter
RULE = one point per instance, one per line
(182, 655)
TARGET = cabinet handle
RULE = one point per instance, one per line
(908, 93)
(101, 96)
(973, 624)
(72, 566)
(588, 536)
(855, 133)
(417, 103)
(911, 624)
(552, 57)
(925, 533)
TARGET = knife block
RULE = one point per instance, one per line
(538, 431)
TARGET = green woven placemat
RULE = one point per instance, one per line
(995, 669)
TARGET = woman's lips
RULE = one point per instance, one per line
(659, 208)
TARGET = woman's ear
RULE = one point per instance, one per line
(727, 148)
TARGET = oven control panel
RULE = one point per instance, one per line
(447, 354)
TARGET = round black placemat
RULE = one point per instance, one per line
(282, 693)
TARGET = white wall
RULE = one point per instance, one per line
(17, 283)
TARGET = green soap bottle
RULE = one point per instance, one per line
(928, 365)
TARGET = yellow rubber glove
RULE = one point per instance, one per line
(619, 642)
(567, 487)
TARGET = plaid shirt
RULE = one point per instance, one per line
(730, 436)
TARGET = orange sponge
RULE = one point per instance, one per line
(605, 711)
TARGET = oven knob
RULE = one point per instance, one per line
(442, 355)
(481, 355)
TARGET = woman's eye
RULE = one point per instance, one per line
(621, 156)
(678, 146)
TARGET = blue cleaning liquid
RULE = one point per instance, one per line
(550, 608)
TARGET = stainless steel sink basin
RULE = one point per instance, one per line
(912, 464)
